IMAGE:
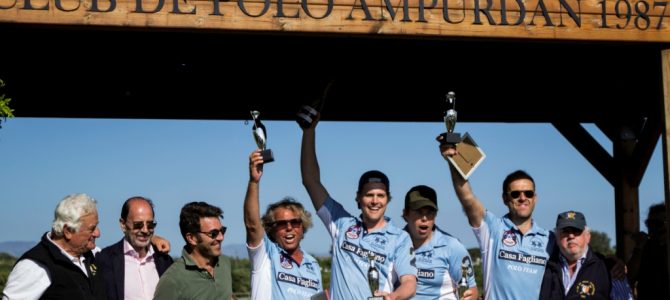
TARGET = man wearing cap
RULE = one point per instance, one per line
(574, 272)
(440, 257)
(512, 246)
(357, 238)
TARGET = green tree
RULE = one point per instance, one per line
(476, 257)
(5, 111)
(241, 273)
(325, 264)
(6, 264)
(600, 243)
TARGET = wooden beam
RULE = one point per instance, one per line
(626, 196)
(615, 169)
(665, 54)
(644, 149)
(608, 129)
(646, 139)
(599, 158)
(547, 20)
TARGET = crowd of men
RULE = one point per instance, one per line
(520, 259)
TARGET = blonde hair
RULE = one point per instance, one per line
(292, 205)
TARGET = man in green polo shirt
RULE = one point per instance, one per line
(201, 272)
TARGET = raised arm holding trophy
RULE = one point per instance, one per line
(260, 136)
(469, 155)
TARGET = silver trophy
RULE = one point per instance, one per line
(260, 135)
(451, 137)
(373, 278)
(466, 271)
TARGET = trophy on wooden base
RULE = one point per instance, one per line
(260, 136)
(450, 116)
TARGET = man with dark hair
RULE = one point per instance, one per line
(359, 241)
(513, 246)
(132, 266)
(62, 265)
(202, 272)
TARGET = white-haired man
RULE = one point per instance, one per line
(61, 265)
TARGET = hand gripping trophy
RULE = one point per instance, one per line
(466, 271)
(260, 135)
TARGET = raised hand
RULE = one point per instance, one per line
(255, 166)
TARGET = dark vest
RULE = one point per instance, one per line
(67, 280)
(592, 282)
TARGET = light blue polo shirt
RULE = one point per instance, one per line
(513, 263)
(439, 267)
(352, 243)
(275, 275)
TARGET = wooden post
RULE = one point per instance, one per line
(665, 56)
(626, 193)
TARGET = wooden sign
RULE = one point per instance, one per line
(604, 20)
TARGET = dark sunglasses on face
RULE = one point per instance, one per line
(140, 224)
(215, 232)
(570, 230)
(283, 224)
(517, 194)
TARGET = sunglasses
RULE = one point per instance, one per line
(283, 224)
(215, 232)
(140, 224)
(575, 231)
(517, 194)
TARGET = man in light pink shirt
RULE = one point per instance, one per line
(132, 266)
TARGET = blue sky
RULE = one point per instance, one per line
(177, 161)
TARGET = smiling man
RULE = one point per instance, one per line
(355, 239)
(279, 267)
(575, 271)
(62, 265)
(202, 272)
(513, 246)
(132, 266)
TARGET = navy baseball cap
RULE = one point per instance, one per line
(373, 176)
(572, 219)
